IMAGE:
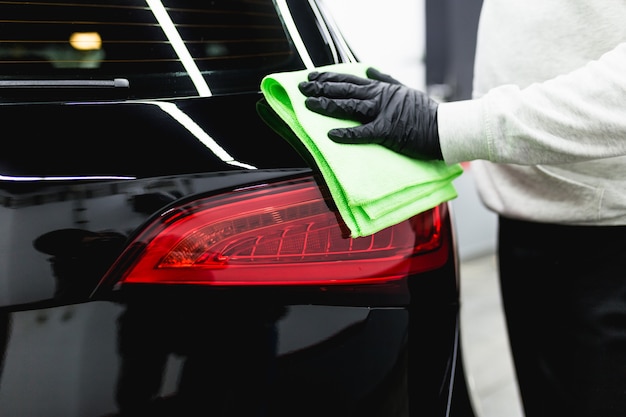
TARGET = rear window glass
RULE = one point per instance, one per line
(157, 45)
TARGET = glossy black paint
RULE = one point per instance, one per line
(140, 139)
(198, 351)
(157, 161)
(78, 178)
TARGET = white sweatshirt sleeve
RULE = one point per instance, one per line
(574, 117)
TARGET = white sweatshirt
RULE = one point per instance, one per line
(549, 111)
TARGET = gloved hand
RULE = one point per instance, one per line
(393, 115)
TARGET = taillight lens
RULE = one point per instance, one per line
(277, 234)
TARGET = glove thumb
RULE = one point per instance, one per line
(374, 74)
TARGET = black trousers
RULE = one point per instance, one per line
(564, 296)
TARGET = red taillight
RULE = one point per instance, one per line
(280, 234)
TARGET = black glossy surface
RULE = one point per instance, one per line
(140, 139)
(77, 179)
(65, 235)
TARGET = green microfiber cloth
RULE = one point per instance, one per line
(372, 186)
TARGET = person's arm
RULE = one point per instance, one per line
(573, 117)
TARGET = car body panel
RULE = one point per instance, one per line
(113, 178)
(85, 169)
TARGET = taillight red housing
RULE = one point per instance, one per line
(277, 234)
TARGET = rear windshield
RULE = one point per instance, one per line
(159, 46)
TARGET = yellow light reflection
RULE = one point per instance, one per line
(86, 41)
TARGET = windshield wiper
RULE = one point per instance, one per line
(31, 91)
(68, 84)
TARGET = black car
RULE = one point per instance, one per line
(165, 252)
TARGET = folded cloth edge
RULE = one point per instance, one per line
(361, 216)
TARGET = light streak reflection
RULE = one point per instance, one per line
(178, 44)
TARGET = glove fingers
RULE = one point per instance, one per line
(336, 85)
(338, 78)
(338, 90)
(352, 109)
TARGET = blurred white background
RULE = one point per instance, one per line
(389, 35)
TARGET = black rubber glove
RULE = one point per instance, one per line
(393, 115)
